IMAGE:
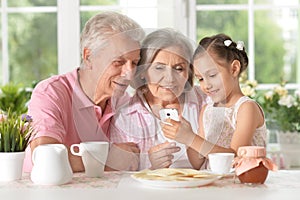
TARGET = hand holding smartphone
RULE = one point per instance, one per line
(166, 113)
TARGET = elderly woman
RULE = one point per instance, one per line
(78, 106)
(164, 79)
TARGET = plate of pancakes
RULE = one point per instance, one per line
(175, 177)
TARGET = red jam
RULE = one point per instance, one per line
(252, 166)
(255, 175)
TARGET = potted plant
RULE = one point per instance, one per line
(280, 105)
(15, 131)
(283, 107)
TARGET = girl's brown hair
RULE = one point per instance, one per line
(223, 48)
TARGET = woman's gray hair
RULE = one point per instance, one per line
(157, 41)
(105, 25)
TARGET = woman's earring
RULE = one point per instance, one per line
(142, 78)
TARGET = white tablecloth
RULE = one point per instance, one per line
(283, 184)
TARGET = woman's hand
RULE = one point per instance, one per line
(161, 155)
(123, 156)
(181, 131)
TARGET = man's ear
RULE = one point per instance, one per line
(86, 58)
(235, 68)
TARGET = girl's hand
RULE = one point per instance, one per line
(181, 131)
(161, 156)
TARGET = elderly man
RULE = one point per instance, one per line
(78, 106)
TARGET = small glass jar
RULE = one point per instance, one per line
(252, 165)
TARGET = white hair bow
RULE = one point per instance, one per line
(240, 45)
(227, 43)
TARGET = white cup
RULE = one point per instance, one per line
(220, 163)
(94, 155)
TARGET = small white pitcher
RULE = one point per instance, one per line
(51, 165)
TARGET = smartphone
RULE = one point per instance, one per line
(166, 113)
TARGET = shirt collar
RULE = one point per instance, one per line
(80, 100)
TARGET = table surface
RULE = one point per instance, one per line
(283, 184)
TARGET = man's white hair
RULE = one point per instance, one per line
(103, 26)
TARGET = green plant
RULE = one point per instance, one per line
(283, 106)
(14, 97)
(15, 132)
(280, 105)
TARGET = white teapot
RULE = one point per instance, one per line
(51, 165)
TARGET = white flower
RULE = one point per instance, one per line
(252, 83)
(287, 101)
(269, 95)
(248, 91)
(281, 91)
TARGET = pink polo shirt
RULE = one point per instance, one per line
(61, 110)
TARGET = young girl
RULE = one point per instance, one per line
(231, 119)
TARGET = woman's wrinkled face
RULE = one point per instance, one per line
(167, 75)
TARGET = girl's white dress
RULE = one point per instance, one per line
(220, 123)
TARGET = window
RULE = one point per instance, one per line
(28, 52)
(270, 30)
(40, 38)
